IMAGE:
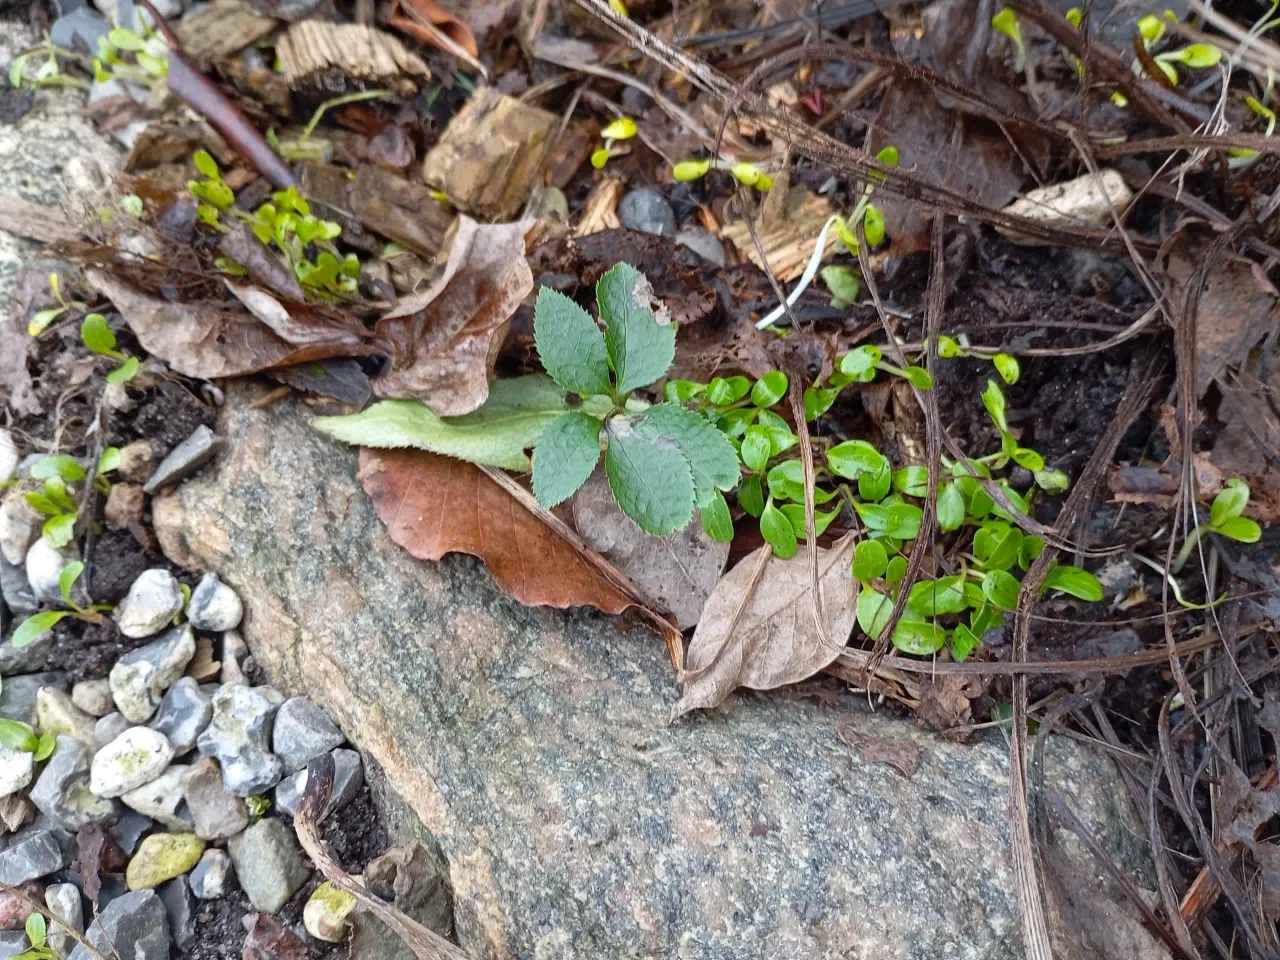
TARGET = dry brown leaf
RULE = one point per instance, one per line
(15, 380)
(314, 55)
(441, 19)
(211, 340)
(902, 755)
(775, 640)
(1237, 307)
(678, 571)
(447, 337)
(945, 702)
(433, 505)
(268, 940)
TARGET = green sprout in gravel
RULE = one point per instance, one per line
(38, 624)
(16, 735)
(101, 339)
(37, 927)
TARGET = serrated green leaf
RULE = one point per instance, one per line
(96, 334)
(778, 532)
(869, 560)
(1079, 583)
(710, 455)
(126, 371)
(726, 390)
(935, 597)
(751, 495)
(1001, 588)
(950, 507)
(756, 448)
(497, 434)
(59, 530)
(650, 478)
(640, 349)
(716, 519)
(1241, 529)
(16, 735)
(1230, 502)
(68, 577)
(565, 455)
(874, 611)
(570, 344)
(769, 389)
(58, 465)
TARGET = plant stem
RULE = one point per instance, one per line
(339, 102)
(1192, 539)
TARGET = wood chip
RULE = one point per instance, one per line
(223, 28)
(788, 243)
(490, 155)
(335, 58)
(35, 221)
(601, 211)
(203, 667)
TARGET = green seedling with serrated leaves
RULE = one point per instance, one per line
(662, 461)
(38, 624)
(1225, 519)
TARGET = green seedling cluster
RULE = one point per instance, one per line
(54, 500)
(1005, 363)
(16, 735)
(285, 221)
(123, 54)
(37, 927)
(38, 624)
(101, 339)
(1225, 519)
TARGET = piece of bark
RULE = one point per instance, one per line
(382, 202)
(788, 244)
(35, 221)
(490, 154)
(601, 211)
(223, 28)
(336, 58)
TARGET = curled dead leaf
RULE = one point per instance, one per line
(446, 338)
(773, 640)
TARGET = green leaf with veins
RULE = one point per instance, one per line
(769, 389)
(1079, 583)
(709, 453)
(950, 507)
(1241, 529)
(570, 344)
(778, 531)
(853, 458)
(1230, 502)
(1001, 588)
(779, 431)
(567, 452)
(869, 560)
(497, 434)
(640, 348)
(756, 448)
(716, 519)
(996, 545)
(874, 611)
(935, 597)
(650, 477)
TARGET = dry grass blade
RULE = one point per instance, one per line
(425, 944)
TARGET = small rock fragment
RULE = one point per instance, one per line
(44, 567)
(57, 715)
(303, 731)
(13, 943)
(162, 799)
(325, 915)
(136, 461)
(9, 458)
(125, 505)
(216, 813)
(17, 660)
(181, 907)
(62, 793)
(1087, 199)
(214, 606)
(36, 856)
(15, 906)
(234, 652)
(348, 778)
(268, 864)
(64, 902)
(185, 459)
(17, 767)
(108, 728)
(137, 756)
(93, 697)
(136, 919)
(140, 678)
(130, 828)
(161, 857)
(415, 882)
(18, 694)
(213, 876)
(240, 736)
(704, 244)
(82, 25)
(20, 522)
(184, 714)
(17, 595)
(647, 210)
(153, 600)
(15, 812)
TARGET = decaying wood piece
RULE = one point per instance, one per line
(601, 211)
(223, 28)
(336, 58)
(788, 243)
(35, 221)
(490, 154)
(382, 202)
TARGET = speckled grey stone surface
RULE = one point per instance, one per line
(577, 822)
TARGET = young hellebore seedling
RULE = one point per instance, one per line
(663, 460)
(101, 339)
(1225, 519)
(37, 927)
(38, 624)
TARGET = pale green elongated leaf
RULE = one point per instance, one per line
(716, 519)
(1240, 528)
(1007, 366)
(67, 579)
(1073, 580)
(778, 531)
(1001, 588)
(1230, 502)
(497, 434)
(109, 460)
(709, 453)
(126, 371)
(874, 610)
(570, 344)
(649, 477)
(950, 507)
(17, 735)
(58, 465)
(565, 456)
(640, 348)
(45, 747)
(37, 929)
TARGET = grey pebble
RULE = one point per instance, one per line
(180, 905)
(704, 244)
(268, 865)
(33, 857)
(15, 589)
(184, 714)
(348, 778)
(82, 24)
(136, 919)
(129, 830)
(647, 210)
(240, 738)
(64, 902)
(108, 728)
(214, 606)
(303, 731)
(62, 793)
(140, 678)
(185, 459)
(213, 876)
(18, 694)
(153, 600)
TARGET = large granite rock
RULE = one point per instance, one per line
(577, 822)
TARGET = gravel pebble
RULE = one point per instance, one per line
(93, 697)
(163, 800)
(181, 907)
(57, 715)
(64, 902)
(17, 767)
(62, 793)
(44, 567)
(184, 714)
(214, 606)
(268, 865)
(108, 728)
(20, 522)
(137, 756)
(240, 737)
(348, 778)
(153, 600)
(136, 461)
(9, 456)
(303, 731)
(137, 919)
(161, 857)
(35, 856)
(213, 876)
(16, 591)
(140, 678)
(185, 459)
(217, 814)
(125, 505)
(647, 210)
(704, 244)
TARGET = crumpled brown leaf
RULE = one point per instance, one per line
(946, 703)
(433, 505)
(211, 340)
(775, 641)
(447, 337)
(1237, 306)
(901, 754)
(268, 940)
(96, 853)
(1243, 808)
(678, 571)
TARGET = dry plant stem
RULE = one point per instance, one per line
(795, 393)
(44, 911)
(1262, 48)
(425, 944)
(652, 611)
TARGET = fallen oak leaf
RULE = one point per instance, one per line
(769, 639)
(446, 338)
(434, 505)
(211, 340)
